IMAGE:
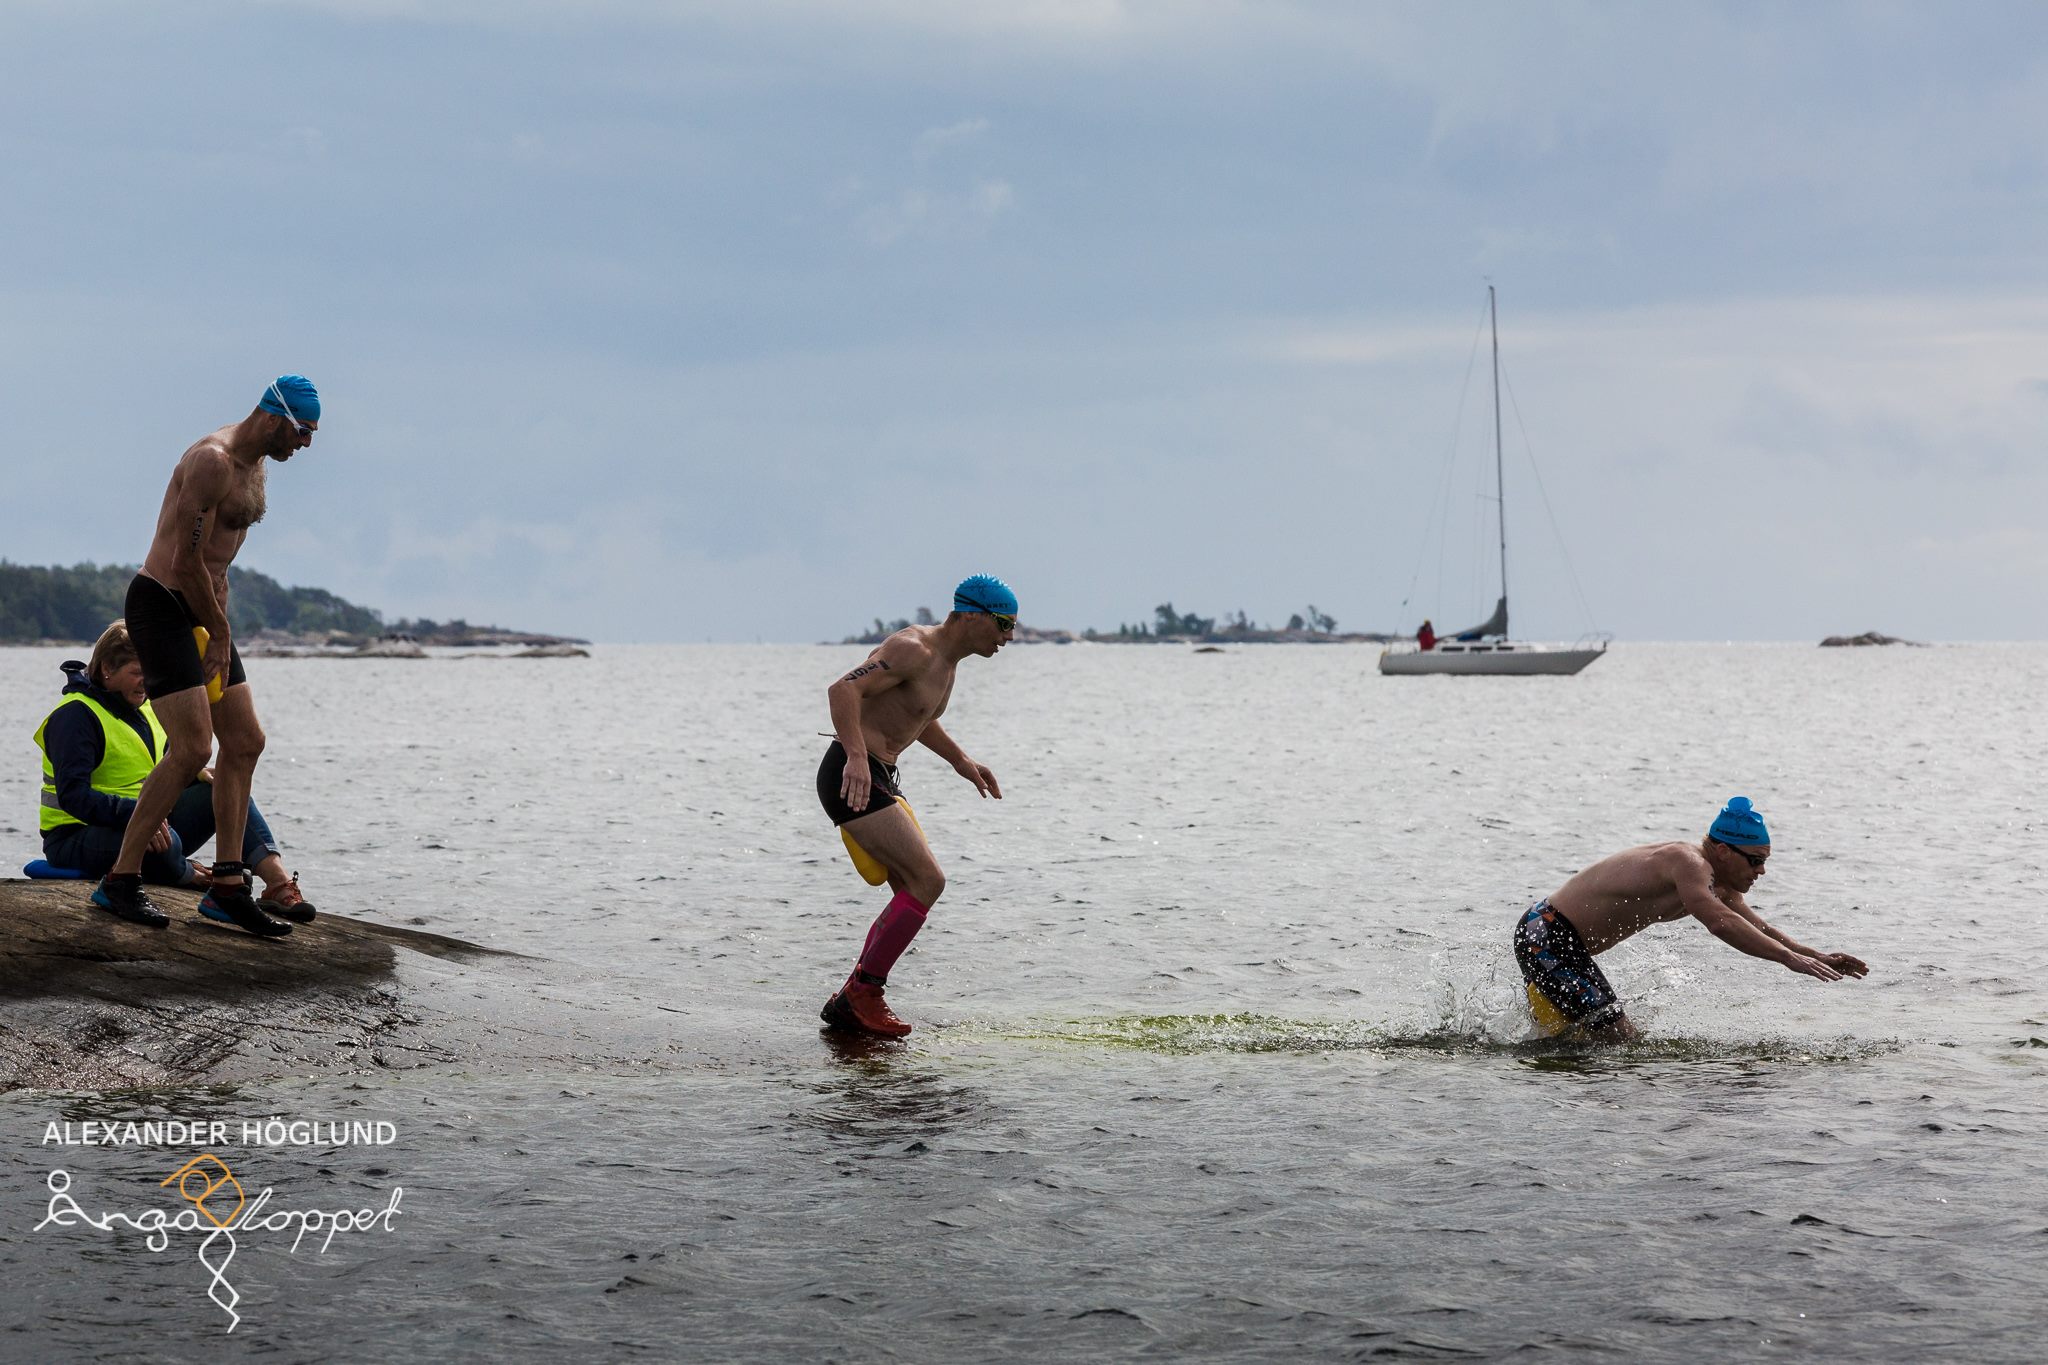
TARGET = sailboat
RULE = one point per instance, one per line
(1486, 648)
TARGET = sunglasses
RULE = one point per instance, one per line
(298, 428)
(1753, 859)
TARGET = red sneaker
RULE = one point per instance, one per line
(860, 1008)
(288, 901)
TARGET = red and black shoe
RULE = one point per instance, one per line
(288, 902)
(858, 1007)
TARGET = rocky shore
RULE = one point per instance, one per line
(89, 1002)
(93, 1002)
(276, 644)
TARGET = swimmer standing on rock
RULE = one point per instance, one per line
(1557, 939)
(200, 694)
(880, 709)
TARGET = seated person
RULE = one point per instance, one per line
(98, 746)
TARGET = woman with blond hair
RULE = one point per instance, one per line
(98, 745)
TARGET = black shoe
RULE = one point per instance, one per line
(838, 1015)
(126, 900)
(231, 904)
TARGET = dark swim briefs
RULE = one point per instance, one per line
(160, 627)
(1554, 960)
(834, 768)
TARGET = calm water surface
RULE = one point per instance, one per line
(1220, 1046)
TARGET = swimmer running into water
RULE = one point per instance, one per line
(880, 709)
(1557, 939)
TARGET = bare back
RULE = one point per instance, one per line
(1629, 891)
(212, 501)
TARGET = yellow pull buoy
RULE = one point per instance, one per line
(1547, 1018)
(872, 872)
(213, 686)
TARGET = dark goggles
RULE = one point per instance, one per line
(1004, 621)
(1753, 859)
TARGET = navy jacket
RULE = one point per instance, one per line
(76, 745)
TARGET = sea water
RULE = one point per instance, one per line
(1220, 1045)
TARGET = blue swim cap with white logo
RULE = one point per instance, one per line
(985, 592)
(1738, 823)
(297, 391)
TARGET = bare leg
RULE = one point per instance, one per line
(271, 870)
(188, 743)
(241, 743)
(1619, 1029)
(893, 839)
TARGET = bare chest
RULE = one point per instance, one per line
(925, 698)
(245, 502)
(903, 712)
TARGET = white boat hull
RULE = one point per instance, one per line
(1503, 658)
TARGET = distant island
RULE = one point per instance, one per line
(74, 604)
(1868, 637)
(1167, 626)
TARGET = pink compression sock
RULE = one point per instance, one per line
(891, 933)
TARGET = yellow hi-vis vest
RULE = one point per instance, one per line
(124, 763)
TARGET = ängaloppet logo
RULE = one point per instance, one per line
(204, 1202)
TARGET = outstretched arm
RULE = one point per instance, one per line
(1841, 962)
(1696, 892)
(943, 744)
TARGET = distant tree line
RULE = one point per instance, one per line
(1168, 624)
(882, 630)
(75, 603)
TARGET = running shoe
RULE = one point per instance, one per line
(860, 1008)
(125, 899)
(230, 904)
(287, 901)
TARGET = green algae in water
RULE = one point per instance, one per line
(1196, 1034)
(1188, 1034)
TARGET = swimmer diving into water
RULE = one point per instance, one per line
(880, 709)
(1557, 939)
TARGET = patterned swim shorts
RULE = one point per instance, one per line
(1554, 960)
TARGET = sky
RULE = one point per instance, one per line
(652, 320)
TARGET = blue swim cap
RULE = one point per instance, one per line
(985, 592)
(1738, 823)
(298, 391)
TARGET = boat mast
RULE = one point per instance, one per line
(1499, 484)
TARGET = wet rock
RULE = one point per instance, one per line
(93, 1002)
